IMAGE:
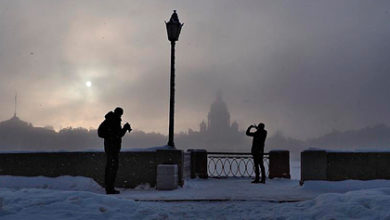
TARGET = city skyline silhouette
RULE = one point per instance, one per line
(218, 134)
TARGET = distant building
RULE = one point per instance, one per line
(218, 133)
(14, 122)
(218, 123)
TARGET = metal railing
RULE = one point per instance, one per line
(229, 164)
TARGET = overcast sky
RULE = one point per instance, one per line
(302, 67)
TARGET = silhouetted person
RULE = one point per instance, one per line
(112, 132)
(257, 150)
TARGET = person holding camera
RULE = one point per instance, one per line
(257, 150)
(112, 132)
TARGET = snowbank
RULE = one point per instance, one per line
(81, 198)
(343, 186)
(59, 183)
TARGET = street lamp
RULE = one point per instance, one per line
(173, 31)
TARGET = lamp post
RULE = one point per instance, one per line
(173, 31)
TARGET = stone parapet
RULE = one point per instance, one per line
(335, 166)
(135, 168)
(279, 164)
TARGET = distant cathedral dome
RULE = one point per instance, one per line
(219, 116)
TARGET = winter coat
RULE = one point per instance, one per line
(259, 137)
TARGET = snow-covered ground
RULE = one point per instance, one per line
(81, 198)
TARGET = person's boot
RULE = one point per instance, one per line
(262, 181)
(256, 180)
(112, 191)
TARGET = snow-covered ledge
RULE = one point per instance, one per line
(342, 165)
(135, 167)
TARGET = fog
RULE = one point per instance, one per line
(218, 132)
(303, 68)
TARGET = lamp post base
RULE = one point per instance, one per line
(171, 144)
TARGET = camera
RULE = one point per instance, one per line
(127, 127)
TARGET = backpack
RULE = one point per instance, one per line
(102, 130)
